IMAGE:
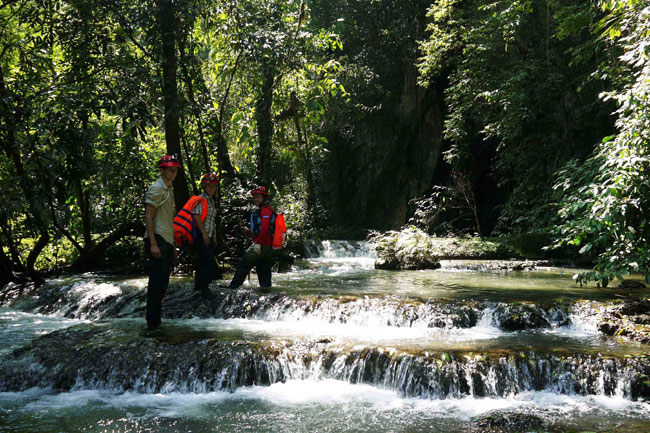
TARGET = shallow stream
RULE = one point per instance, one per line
(334, 346)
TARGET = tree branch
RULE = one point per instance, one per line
(63, 231)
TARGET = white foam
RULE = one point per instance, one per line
(18, 328)
(318, 329)
(331, 249)
(328, 391)
(91, 292)
(332, 393)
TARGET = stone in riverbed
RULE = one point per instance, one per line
(508, 422)
(517, 317)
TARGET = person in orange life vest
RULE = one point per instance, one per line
(258, 255)
(159, 237)
(206, 231)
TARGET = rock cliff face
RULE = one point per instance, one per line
(388, 157)
(385, 142)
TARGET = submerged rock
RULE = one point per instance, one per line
(98, 300)
(498, 265)
(508, 422)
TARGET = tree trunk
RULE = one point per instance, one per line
(83, 198)
(10, 148)
(223, 159)
(92, 255)
(187, 156)
(84, 207)
(309, 177)
(13, 265)
(195, 109)
(33, 255)
(6, 269)
(170, 95)
(264, 128)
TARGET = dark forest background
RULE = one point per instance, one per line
(489, 118)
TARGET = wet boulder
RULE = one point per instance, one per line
(629, 319)
(518, 317)
(387, 263)
(508, 422)
(409, 249)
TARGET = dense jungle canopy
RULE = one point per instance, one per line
(494, 118)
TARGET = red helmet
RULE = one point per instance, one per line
(169, 161)
(260, 190)
(210, 178)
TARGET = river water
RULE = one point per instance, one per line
(341, 347)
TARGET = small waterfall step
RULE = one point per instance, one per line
(91, 299)
(103, 301)
(106, 356)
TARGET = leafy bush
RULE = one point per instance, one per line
(605, 203)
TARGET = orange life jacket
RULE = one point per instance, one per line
(280, 232)
(184, 226)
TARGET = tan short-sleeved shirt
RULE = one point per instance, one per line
(161, 197)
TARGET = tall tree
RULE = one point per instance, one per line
(167, 23)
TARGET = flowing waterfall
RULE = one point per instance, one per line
(120, 361)
(333, 249)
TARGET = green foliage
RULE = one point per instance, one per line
(82, 118)
(520, 87)
(82, 113)
(77, 123)
(532, 245)
(605, 203)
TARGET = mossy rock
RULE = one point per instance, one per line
(510, 422)
(408, 249)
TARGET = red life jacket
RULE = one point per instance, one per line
(184, 226)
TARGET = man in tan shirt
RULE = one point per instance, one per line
(159, 237)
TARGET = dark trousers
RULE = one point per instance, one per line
(262, 263)
(159, 270)
(204, 266)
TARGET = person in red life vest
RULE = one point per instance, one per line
(159, 237)
(259, 255)
(206, 230)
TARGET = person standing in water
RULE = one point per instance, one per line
(259, 254)
(159, 237)
(207, 231)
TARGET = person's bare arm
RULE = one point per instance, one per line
(201, 227)
(149, 213)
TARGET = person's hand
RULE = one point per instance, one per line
(175, 253)
(155, 251)
(206, 240)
